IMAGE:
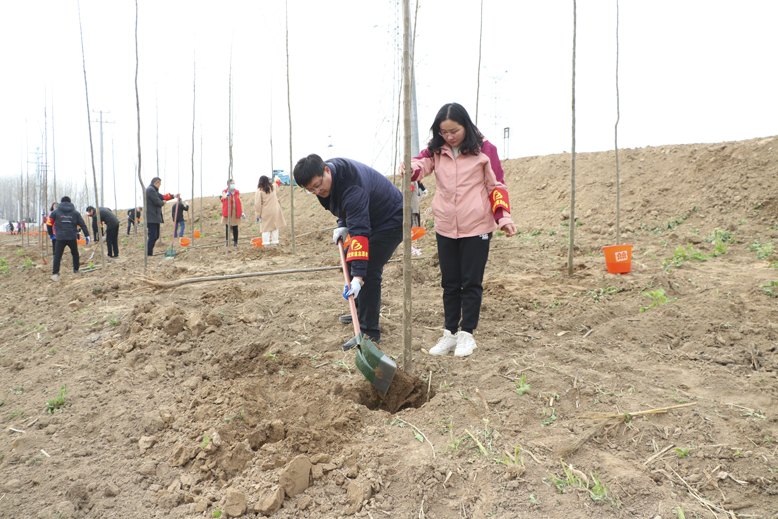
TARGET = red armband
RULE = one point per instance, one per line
(50, 222)
(167, 197)
(278, 182)
(358, 249)
(499, 198)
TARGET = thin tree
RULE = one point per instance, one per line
(91, 147)
(201, 179)
(289, 108)
(229, 172)
(194, 97)
(140, 178)
(53, 149)
(407, 299)
(571, 244)
(478, 76)
(616, 135)
(113, 165)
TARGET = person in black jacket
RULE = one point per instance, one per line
(67, 221)
(154, 204)
(111, 229)
(178, 217)
(133, 217)
(369, 208)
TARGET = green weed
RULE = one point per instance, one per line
(763, 250)
(768, 289)
(27, 264)
(522, 386)
(658, 296)
(205, 442)
(682, 254)
(551, 419)
(271, 356)
(56, 403)
(113, 321)
(682, 453)
(600, 293)
(20, 252)
(4, 268)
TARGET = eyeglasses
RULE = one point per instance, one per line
(453, 133)
(314, 188)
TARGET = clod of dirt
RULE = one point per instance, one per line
(235, 503)
(270, 502)
(357, 493)
(404, 391)
(296, 476)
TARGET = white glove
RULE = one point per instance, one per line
(352, 290)
(259, 220)
(340, 233)
(243, 215)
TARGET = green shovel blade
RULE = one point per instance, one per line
(377, 368)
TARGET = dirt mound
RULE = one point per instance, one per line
(235, 396)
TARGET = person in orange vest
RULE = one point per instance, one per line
(232, 211)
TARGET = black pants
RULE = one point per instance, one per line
(130, 223)
(234, 233)
(381, 246)
(59, 248)
(462, 265)
(153, 230)
(112, 241)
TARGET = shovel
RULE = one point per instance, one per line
(171, 252)
(377, 368)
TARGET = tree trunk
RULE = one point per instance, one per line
(291, 156)
(194, 98)
(140, 177)
(478, 76)
(616, 136)
(91, 147)
(571, 245)
(407, 295)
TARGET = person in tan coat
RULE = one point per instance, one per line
(268, 210)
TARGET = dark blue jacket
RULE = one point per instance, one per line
(66, 220)
(107, 217)
(155, 201)
(363, 200)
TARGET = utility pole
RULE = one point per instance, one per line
(102, 177)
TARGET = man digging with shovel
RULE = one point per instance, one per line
(369, 208)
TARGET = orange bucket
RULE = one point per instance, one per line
(256, 242)
(197, 234)
(417, 232)
(184, 242)
(81, 242)
(618, 258)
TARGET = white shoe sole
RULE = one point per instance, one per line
(464, 353)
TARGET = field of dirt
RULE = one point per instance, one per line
(648, 394)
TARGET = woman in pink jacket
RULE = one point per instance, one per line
(470, 202)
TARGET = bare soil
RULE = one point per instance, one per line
(235, 396)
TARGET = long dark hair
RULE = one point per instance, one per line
(457, 113)
(264, 184)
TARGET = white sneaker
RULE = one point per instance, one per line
(55, 277)
(465, 344)
(445, 344)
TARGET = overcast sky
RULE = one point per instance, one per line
(690, 71)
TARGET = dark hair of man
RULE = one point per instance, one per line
(90, 209)
(307, 169)
(457, 113)
(64, 199)
(264, 184)
(155, 180)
